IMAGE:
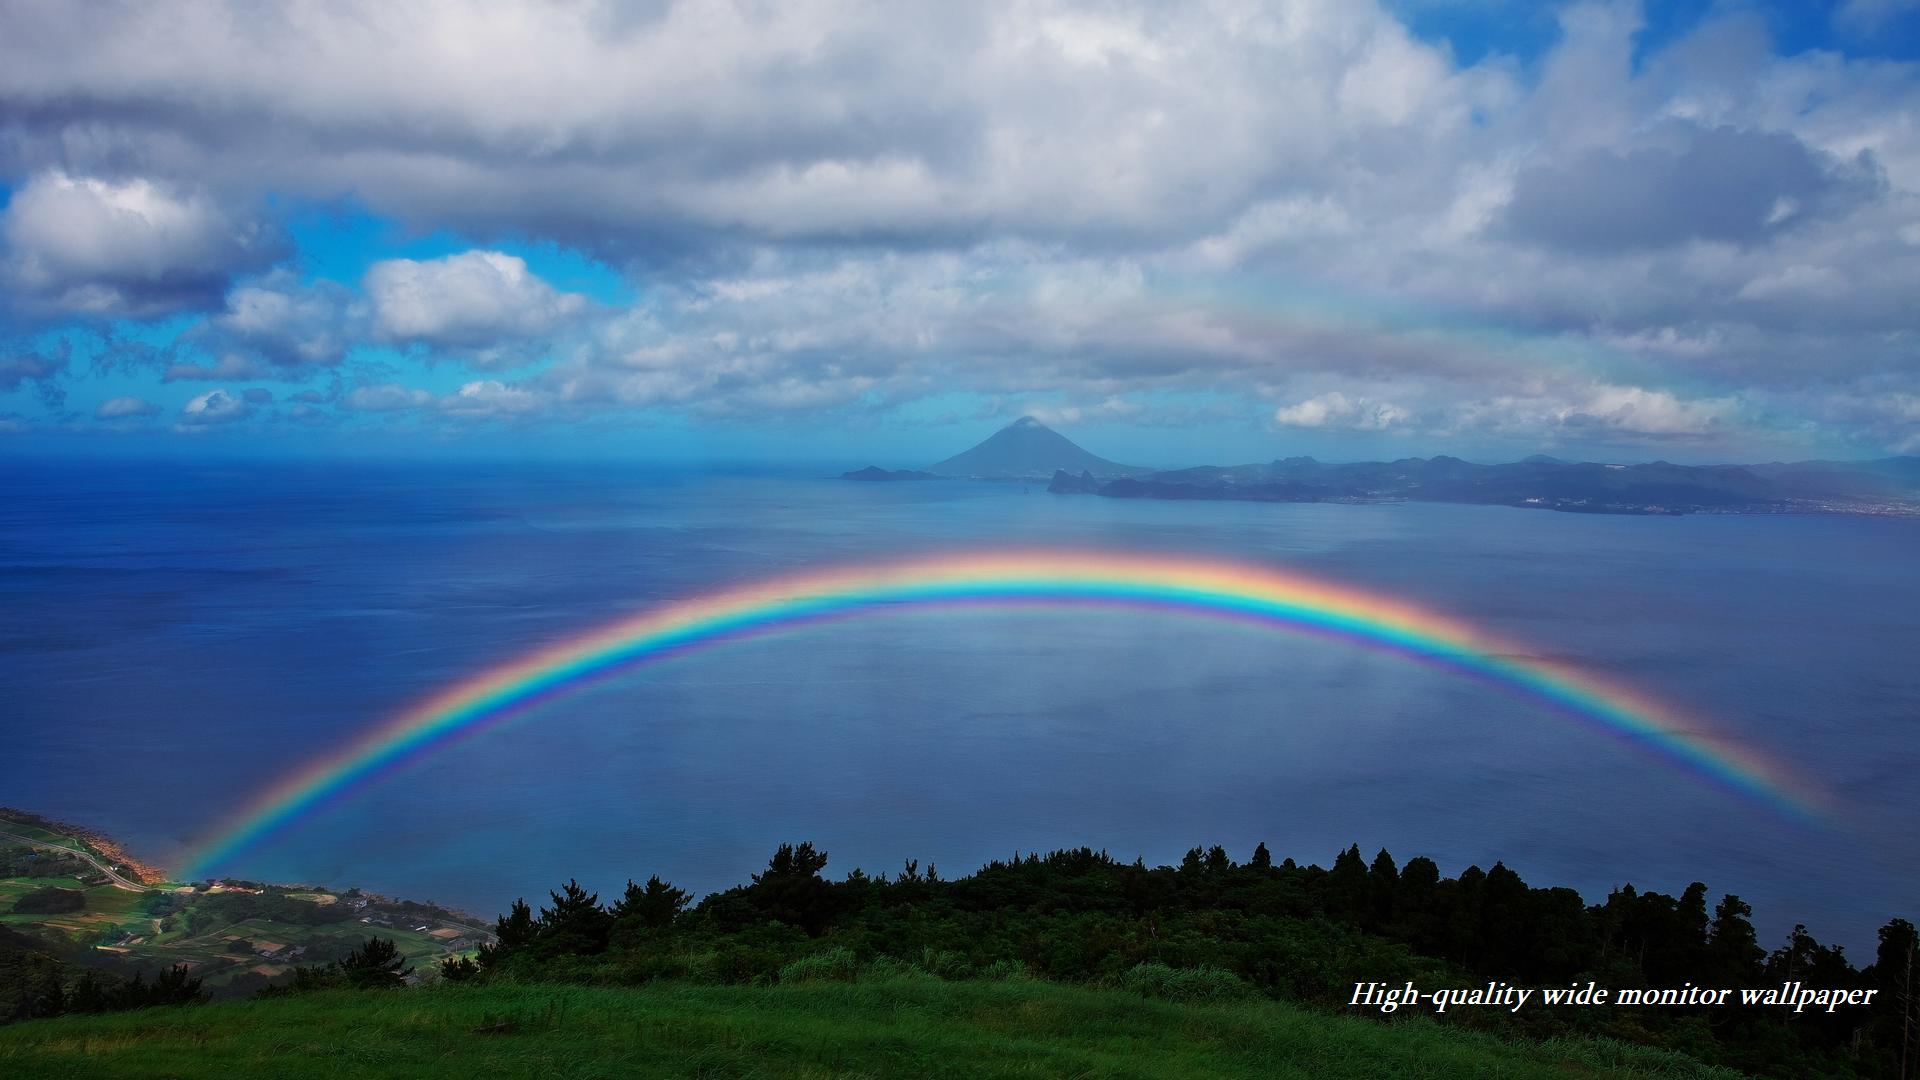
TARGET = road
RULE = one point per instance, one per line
(113, 875)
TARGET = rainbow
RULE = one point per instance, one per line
(1210, 588)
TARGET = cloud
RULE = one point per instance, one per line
(827, 212)
(213, 408)
(1692, 183)
(278, 327)
(41, 371)
(229, 367)
(490, 397)
(1336, 410)
(134, 247)
(125, 408)
(481, 303)
(1858, 17)
(386, 397)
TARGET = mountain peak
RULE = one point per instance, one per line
(1028, 449)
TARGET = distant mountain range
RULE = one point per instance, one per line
(1027, 449)
(1889, 486)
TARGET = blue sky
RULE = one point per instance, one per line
(825, 232)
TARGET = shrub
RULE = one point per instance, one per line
(1001, 971)
(1157, 980)
(50, 901)
(837, 964)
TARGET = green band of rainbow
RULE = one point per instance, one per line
(1209, 588)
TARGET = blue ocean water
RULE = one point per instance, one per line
(173, 637)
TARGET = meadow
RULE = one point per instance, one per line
(911, 1025)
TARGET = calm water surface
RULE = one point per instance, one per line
(172, 639)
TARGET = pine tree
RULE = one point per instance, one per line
(175, 986)
(52, 999)
(88, 996)
(792, 891)
(1262, 858)
(653, 906)
(1732, 945)
(576, 923)
(459, 969)
(376, 965)
(512, 933)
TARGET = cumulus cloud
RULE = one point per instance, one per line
(131, 247)
(277, 327)
(485, 304)
(213, 408)
(125, 408)
(1335, 409)
(491, 397)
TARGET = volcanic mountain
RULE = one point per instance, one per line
(1028, 450)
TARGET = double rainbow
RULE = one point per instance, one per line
(1214, 589)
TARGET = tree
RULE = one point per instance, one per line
(52, 1000)
(653, 906)
(1732, 947)
(376, 965)
(576, 923)
(175, 986)
(794, 862)
(1262, 858)
(1896, 1007)
(512, 933)
(459, 969)
(1347, 885)
(88, 995)
(792, 891)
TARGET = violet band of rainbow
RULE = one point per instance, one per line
(1208, 588)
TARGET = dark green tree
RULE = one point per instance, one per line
(1346, 885)
(1896, 1008)
(377, 964)
(175, 986)
(792, 891)
(575, 924)
(88, 995)
(654, 905)
(459, 969)
(1262, 858)
(1733, 949)
(513, 933)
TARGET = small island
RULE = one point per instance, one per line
(876, 473)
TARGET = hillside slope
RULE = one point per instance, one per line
(906, 1027)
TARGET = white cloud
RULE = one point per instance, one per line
(1336, 410)
(491, 397)
(134, 247)
(122, 408)
(214, 407)
(482, 302)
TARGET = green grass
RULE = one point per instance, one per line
(906, 1027)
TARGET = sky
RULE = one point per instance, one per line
(818, 231)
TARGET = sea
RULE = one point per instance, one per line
(177, 638)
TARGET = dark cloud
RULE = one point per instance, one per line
(40, 371)
(1719, 183)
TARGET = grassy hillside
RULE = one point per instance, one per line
(903, 1027)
